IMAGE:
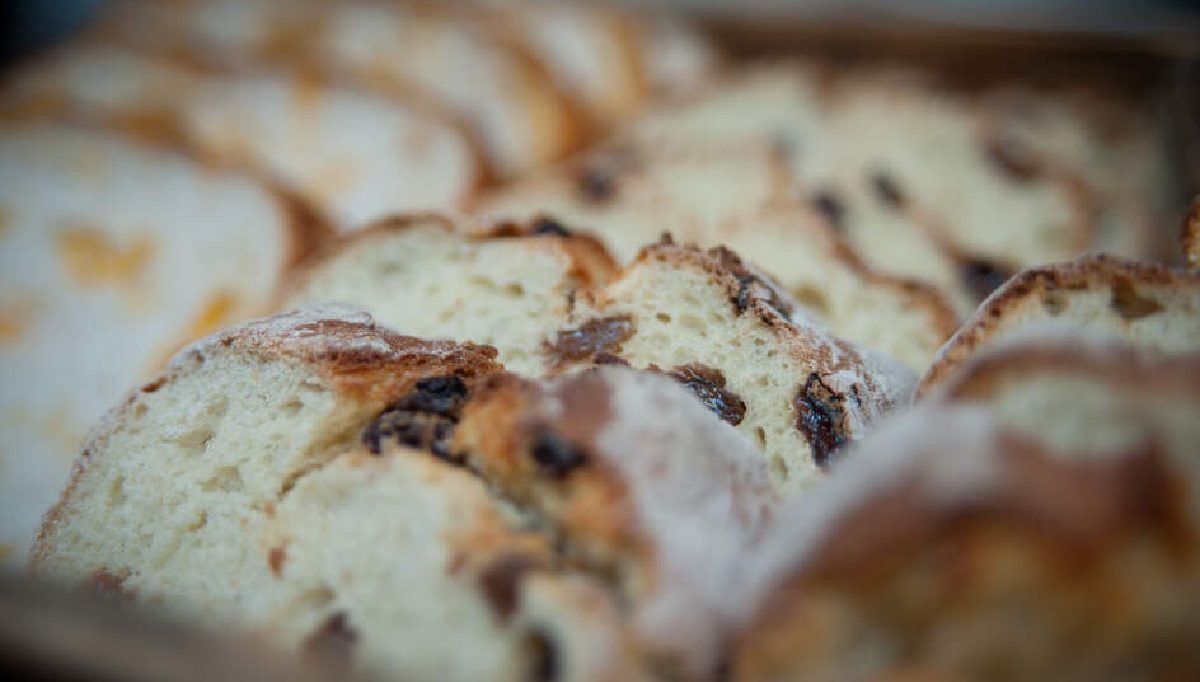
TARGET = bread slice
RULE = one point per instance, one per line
(234, 488)
(325, 143)
(742, 198)
(715, 323)
(1116, 147)
(638, 481)
(921, 193)
(950, 547)
(1145, 304)
(729, 333)
(590, 51)
(1119, 395)
(523, 120)
(100, 277)
(510, 290)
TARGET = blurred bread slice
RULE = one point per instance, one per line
(590, 51)
(919, 190)
(110, 254)
(952, 547)
(742, 198)
(1118, 395)
(638, 481)
(1116, 147)
(406, 50)
(1144, 304)
(354, 155)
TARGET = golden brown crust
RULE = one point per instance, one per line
(1091, 271)
(1051, 535)
(503, 428)
(1190, 240)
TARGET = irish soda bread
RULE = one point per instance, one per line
(950, 547)
(706, 318)
(355, 156)
(234, 489)
(1146, 304)
(111, 254)
(744, 198)
(281, 477)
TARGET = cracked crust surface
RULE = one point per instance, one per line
(610, 458)
(953, 546)
(1142, 303)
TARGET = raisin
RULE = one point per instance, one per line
(439, 395)
(821, 417)
(1129, 304)
(543, 657)
(708, 384)
(423, 418)
(555, 455)
(601, 335)
(551, 227)
(887, 190)
(597, 185)
(982, 277)
(831, 207)
(500, 582)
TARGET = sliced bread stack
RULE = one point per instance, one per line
(354, 156)
(913, 180)
(744, 198)
(520, 117)
(111, 255)
(282, 477)
(704, 317)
